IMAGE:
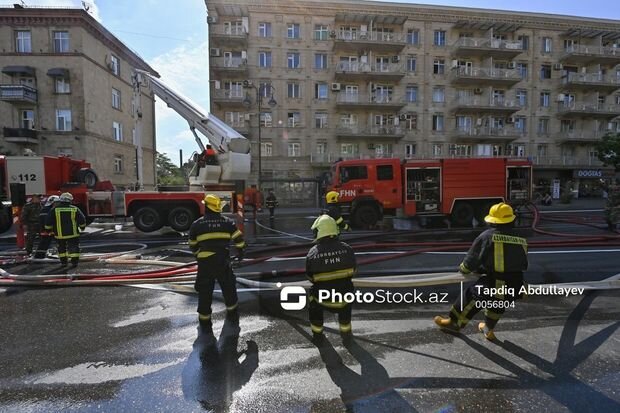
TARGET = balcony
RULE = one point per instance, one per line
(373, 101)
(231, 97)
(580, 137)
(487, 134)
(354, 41)
(487, 76)
(18, 93)
(229, 65)
(20, 135)
(500, 49)
(228, 36)
(497, 106)
(366, 71)
(373, 132)
(582, 54)
(589, 110)
(591, 81)
(568, 162)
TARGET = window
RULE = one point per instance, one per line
(543, 126)
(321, 32)
(293, 119)
(411, 94)
(320, 61)
(23, 42)
(27, 119)
(567, 125)
(115, 65)
(460, 150)
(264, 89)
(61, 42)
(439, 94)
(117, 131)
(266, 149)
(266, 119)
(320, 90)
(438, 122)
(293, 31)
(521, 96)
(413, 36)
(545, 71)
(264, 59)
(234, 119)
(545, 99)
(293, 90)
(439, 38)
(617, 98)
(547, 44)
(439, 66)
(436, 149)
(521, 124)
(61, 85)
(294, 149)
(234, 89)
(410, 150)
(63, 120)
(525, 41)
(385, 173)
(411, 63)
(118, 164)
(293, 60)
(541, 150)
(320, 120)
(321, 148)
(522, 69)
(411, 121)
(116, 99)
(264, 29)
(349, 173)
(65, 152)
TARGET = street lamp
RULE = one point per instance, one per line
(247, 102)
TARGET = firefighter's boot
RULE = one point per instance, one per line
(488, 333)
(446, 323)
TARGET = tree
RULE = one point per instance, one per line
(609, 150)
(167, 172)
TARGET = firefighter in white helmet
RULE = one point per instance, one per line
(46, 236)
(502, 257)
(63, 221)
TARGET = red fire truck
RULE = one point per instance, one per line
(461, 188)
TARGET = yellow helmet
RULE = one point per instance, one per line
(213, 202)
(325, 226)
(332, 197)
(500, 214)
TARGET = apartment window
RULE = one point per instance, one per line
(23, 41)
(61, 85)
(320, 90)
(411, 63)
(293, 31)
(439, 38)
(351, 149)
(115, 65)
(27, 119)
(460, 150)
(521, 96)
(61, 42)
(410, 150)
(522, 69)
(234, 119)
(545, 71)
(413, 36)
(436, 149)
(264, 29)
(525, 42)
(547, 44)
(264, 89)
(521, 124)
(438, 122)
(545, 99)
(439, 94)
(266, 119)
(117, 131)
(617, 97)
(320, 120)
(411, 121)
(293, 119)
(321, 32)
(116, 99)
(543, 126)
(439, 66)
(293, 60)
(233, 89)
(264, 59)
(266, 149)
(320, 61)
(541, 150)
(321, 148)
(567, 125)
(65, 152)
(294, 90)
(294, 149)
(63, 120)
(412, 94)
(118, 164)
(569, 44)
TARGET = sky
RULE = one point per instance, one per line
(172, 36)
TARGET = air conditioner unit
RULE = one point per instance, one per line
(560, 97)
(336, 87)
(510, 120)
(214, 52)
(371, 146)
(479, 122)
(211, 19)
(246, 116)
(404, 116)
(455, 63)
(395, 59)
(477, 91)
(557, 66)
(332, 34)
(111, 66)
(363, 36)
(511, 65)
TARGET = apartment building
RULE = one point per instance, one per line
(361, 79)
(66, 89)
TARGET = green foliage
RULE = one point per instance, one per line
(168, 173)
(609, 150)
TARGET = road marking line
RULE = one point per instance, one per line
(532, 252)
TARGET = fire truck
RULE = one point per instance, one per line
(461, 188)
(219, 168)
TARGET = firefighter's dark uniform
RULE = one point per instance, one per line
(30, 219)
(271, 202)
(209, 240)
(46, 236)
(333, 210)
(66, 221)
(330, 265)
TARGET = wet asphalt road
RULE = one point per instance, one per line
(124, 349)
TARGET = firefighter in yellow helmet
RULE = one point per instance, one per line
(501, 257)
(209, 239)
(330, 266)
(63, 221)
(333, 210)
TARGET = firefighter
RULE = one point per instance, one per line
(63, 221)
(46, 236)
(272, 202)
(209, 240)
(30, 219)
(333, 210)
(330, 266)
(502, 257)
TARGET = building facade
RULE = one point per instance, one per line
(358, 79)
(66, 89)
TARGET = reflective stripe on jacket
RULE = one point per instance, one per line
(64, 221)
(496, 252)
(330, 261)
(212, 234)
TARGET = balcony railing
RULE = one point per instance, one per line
(489, 103)
(20, 135)
(232, 31)
(229, 62)
(580, 136)
(376, 37)
(488, 45)
(592, 79)
(362, 130)
(594, 51)
(589, 108)
(372, 98)
(372, 69)
(487, 131)
(18, 93)
(480, 73)
(566, 161)
(331, 158)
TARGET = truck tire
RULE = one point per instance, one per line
(147, 219)
(365, 216)
(181, 218)
(6, 219)
(462, 214)
(88, 177)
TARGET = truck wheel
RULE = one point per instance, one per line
(462, 214)
(181, 218)
(88, 177)
(365, 216)
(6, 220)
(147, 219)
